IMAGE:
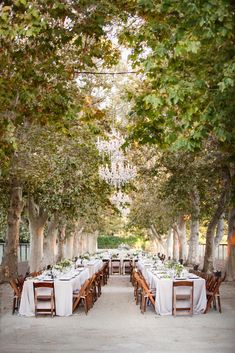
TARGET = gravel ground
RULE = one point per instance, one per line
(116, 325)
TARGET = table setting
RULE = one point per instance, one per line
(160, 277)
(66, 280)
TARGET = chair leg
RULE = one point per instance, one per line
(219, 303)
(209, 301)
(14, 306)
(174, 305)
(214, 304)
(143, 304)
(85, 305)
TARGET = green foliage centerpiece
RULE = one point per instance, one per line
(176, 267)
(62, 265)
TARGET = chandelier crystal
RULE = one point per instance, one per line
(118, 172)
(112, 145)
(120, 198)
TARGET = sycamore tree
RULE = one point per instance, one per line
(43, 47)
(186, 52)
(60, 177)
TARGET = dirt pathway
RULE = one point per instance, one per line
(115, 325)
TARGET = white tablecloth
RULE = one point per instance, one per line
(63, 295)
(163, 288)
(94, 266)
(163, 299)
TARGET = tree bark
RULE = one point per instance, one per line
(84, 243)
(157, 244)
(77, 234)
(230, 266)
(181, 230)
(61, 243)
(93, 242)
(69, 243)
(9, 267)
(175, 245)
(219, 231)
(170, 243)
(193, 251)
(37, 221)
(49, 245)
(209, 252)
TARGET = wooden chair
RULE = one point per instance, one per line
(126, 267)
(107, 262)
(137, 287)
(131, 272)
(83, 295)
(182, 297)
(44, 292)
(17, 290)
(93, 288)
(115, 266)
(98, 281)
(146, 295)
(213, 294)
(104, 273)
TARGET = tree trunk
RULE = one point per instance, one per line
(181, 230)
(37, 221)
(77, 234)
(219, 231)
(9, 266)
(69, 243)
(170, 244)
(50, 246)
(92, 239)
(84, 243)
(175, 245)
(193, 251)
(230, 266)
(81, 240)
(209, 252)
(61, 243)
(157, 244)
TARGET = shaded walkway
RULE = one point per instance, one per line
(115, 325)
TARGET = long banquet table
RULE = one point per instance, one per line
(163, 288)
(64, 288)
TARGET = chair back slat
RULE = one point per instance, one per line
(48, 296)
(182, 296)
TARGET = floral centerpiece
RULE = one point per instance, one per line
(178, 269)
(63, 264)
(175, 266)
(170, 264)
(85, 256)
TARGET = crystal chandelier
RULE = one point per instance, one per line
(124, 211)
(118, 172)
(120, 198)
(112, 145)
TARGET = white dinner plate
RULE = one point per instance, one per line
(180, 278)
